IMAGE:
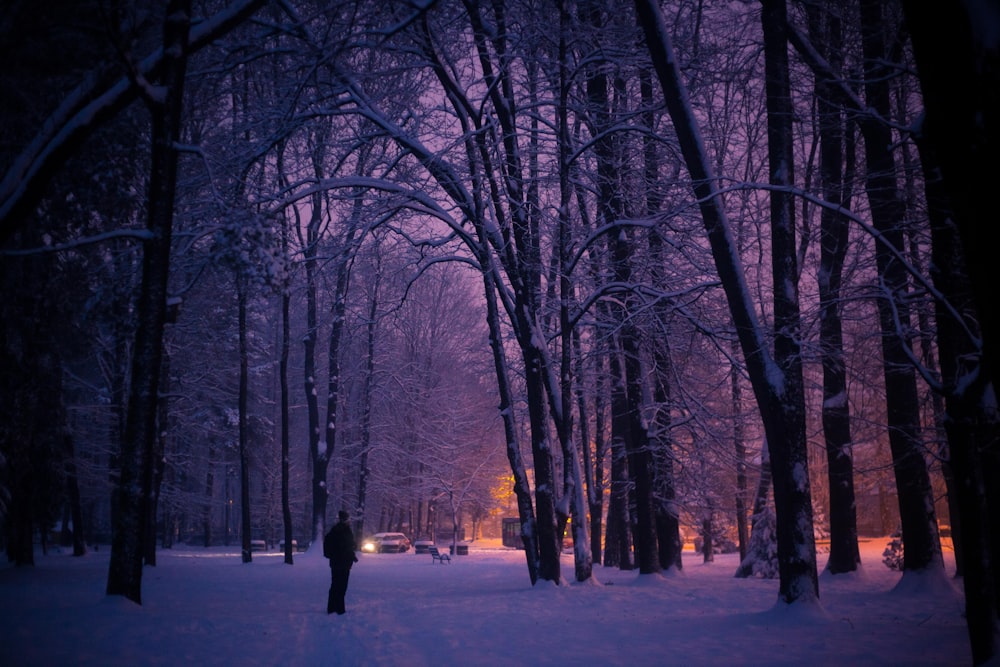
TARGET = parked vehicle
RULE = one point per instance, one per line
(386, 543)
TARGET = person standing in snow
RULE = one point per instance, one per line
(339, 547)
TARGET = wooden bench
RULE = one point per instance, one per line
(437, 555)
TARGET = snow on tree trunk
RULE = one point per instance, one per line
(777, 382)
(825, 29)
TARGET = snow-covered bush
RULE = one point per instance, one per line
(893, 554)
(761, 560)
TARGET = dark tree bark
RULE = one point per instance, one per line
(627, 411)
(286, 342)
(73, 493)
(522, 264)
(618, 545)
(574, 490)
(125, 569)
(959, 74)
(367, 397)
(338, 323)
(593, 464)
(825, 30)
(779, 400)
(971, 430)
(159, 455)
(789, 460)
(317, 457)
(922, 548)
(246, 552)
(666, 515)
(740, 451)
(637, 446)
(522, 489)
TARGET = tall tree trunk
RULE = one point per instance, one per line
(125, 568)
(972, 429)
(206, 517)
(593, 463)
(522, 489)
(777, 382)
(789, 459)
(73, 492)
(825, 30)
(618, 545)
(637, 445)
(285, 398)
(523, 268)
(666, 513)
(961, 92)
(338, 311)
(317, 468)
(286, 508)
(367, 397)
(922, 548)
(740, 451)
(159, 456)
(583, 559)
(244, 431)
(628, 409)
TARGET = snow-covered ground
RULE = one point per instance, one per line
(205, 607)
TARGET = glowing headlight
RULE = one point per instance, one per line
(368, 546)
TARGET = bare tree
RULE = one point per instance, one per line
(826, 29)
(782, 413)
(136, 465)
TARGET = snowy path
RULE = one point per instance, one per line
(208, 608)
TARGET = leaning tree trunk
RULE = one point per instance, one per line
(777, 382)
(522, 489)
(523, 269)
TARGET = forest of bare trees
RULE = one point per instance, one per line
(639, 274)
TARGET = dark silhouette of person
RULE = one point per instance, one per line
(339, 547)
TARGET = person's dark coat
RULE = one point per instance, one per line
(339, 547)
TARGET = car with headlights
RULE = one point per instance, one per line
(386, 543)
